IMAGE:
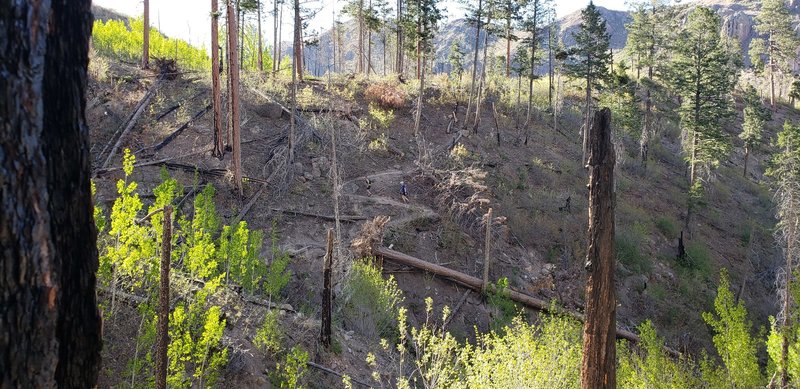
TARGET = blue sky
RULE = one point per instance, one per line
(189, 19)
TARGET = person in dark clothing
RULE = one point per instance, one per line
(404, 191)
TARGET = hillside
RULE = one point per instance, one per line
(540, 242)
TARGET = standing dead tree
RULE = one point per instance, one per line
(163, 302)
(598, 369)
(219, 149)
(325, 336)
(233, 104)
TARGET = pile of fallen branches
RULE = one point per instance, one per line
(463, 194)
(370, 237)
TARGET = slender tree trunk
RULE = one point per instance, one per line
(487, 257)
(746, 156)
(276, 56)
(162, 338)
(771, 74)
(550, 67)
(50, 328)
(399, 42)
(280, 33)
(598, 368)
(383, 43)
(483, 76)
(325, 335)
(587, 116)
(260, 47)
(360, 62)
(534, 34)
(419, 100)
(219, 148)
(298, 43)
(474, 62)
(240, 27)
(292, 120)
(233, 105)
(508, 45)
(146, 37)
(648, 119)
(792, 225)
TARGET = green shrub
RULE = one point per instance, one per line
(697, 260)
(649, 366)
(371, 302)
(113, 37)
(666, 225)
(269, 335)
(505, 308)
(733, 341)
(291, 372)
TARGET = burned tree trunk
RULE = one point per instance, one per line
(487, 256)
(325, 335)
(598, 369)
(146, 36)
(233, 104)
(49, 321)
(162, 338)
(219, 149)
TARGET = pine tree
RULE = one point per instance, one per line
(590, 59)
(755, 117)
(648, 34)
(509, 13)
(702, 75)
(455, 57)
(794, 91)
(533, 19)
(474, 18)
(421, 19)
(785, 170)
(780, 45)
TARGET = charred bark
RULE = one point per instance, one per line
(49, 320)
(598, 369)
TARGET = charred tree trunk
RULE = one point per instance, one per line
(219, 148)
(325, 336)
(534, 33)
(487, 256)
(598, 369)
(49, 318)
(420, 97)
(233, 104)
(162, 337)
(360, 62)
(146, 36)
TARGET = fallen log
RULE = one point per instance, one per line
(476, 284)
(156, 162)
(249, 205)
(179, 130)
(176, 106)
(131, 122)
(206, 172)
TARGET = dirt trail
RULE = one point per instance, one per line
(383, 182)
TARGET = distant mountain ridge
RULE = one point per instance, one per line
(738, 20)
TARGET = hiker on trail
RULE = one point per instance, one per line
(369, 186)
(404, 191)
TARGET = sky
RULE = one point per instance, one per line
(190, 20)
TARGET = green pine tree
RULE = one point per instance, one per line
(590, 59)
(779, 47)
(755, 117)
(456, 59)
(702, 75)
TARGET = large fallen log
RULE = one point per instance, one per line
(476, 284)
(345, 218)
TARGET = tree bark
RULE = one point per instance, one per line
(162, 337)
(233, 105)
(293, 119)
(508, 45)
(276, 56)
(487, 257)
(598, 368)
(648, 119)
(325, 336)
(746, 156)
(146, 36)
(399, 42)
(260, 47)
(474, 63)
(360, 62)
(483, 75)
(419, 99)
(534, 34)
(219, 148)
(49, 318)
(297, 61)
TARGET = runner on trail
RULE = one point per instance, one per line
(404, 191)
